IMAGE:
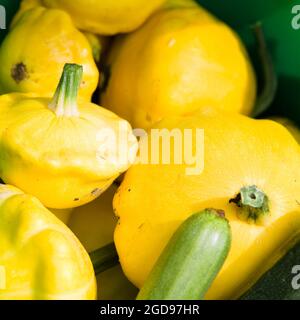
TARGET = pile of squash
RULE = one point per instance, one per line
(78, 83)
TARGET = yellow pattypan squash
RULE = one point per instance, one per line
(94, 226)
(107, 17)
(63, 152)
(180, 59)
(40, 258)
(250, 170)
(37, 47)
(99, 44)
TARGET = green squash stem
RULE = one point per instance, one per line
(64, 102)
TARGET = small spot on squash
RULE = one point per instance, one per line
(19, 72)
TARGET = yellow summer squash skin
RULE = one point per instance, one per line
(94, 226)
(180, 59)
(63, 152)
(107, 17)
(40, 256)
(239, 153)
(99, 44)
(290, 125)
(37, 47)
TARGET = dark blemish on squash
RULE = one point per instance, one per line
(298, 203)
(141, 226)
(129, 190)
(19, 72)
(76, 199)
(236, 200)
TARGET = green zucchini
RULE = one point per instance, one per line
(282, 282)
(191, 260)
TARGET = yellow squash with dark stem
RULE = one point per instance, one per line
(40, 257)
(64, 152)
(35, 50)
(180, 59)
(250, 170)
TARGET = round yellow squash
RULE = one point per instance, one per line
(63, 151)
(180, 59)
(251, 171)
(37, 47)
(40, 258)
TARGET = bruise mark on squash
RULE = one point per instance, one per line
(76, 199)
(19, 72)
(141, 226)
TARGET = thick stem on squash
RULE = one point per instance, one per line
(253, 204)
(64, 102)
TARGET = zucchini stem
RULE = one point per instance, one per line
(64, 102)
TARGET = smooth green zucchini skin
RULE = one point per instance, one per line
(280, 282)
(191, 260)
